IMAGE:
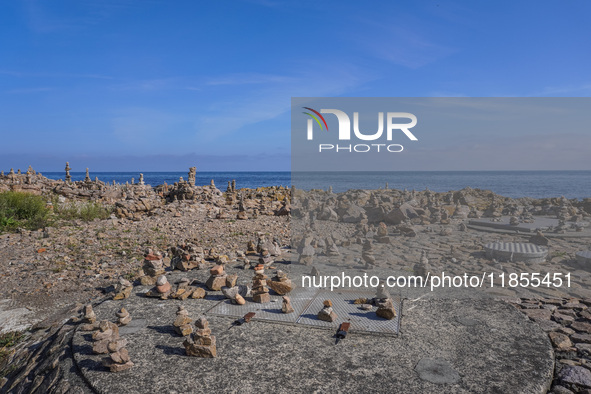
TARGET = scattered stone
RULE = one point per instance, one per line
(576, 375)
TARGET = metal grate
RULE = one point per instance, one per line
(361, 321)
(300, 299)
(307, 302)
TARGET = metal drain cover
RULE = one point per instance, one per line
(511, 251)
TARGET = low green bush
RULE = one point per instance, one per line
(24, 210)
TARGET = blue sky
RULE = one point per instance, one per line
(163, 85)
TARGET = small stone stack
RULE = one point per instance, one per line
(251, 248)
(123, 289)
(384, 302)
(107, 333)
(107, 341)
(123, 317)
(260, 291)
(182, 323)
(201, 343)
(331, 248)
(192, 176)
(367, 254)
(265, 258)
(89, 319)
(217, 279)
(241, 211)
(286, 307)
(382, 234)
(326, 313)
(422, 268)
(68, 176)
(280, 283)
(153, 267)
(307, 251)
(162, 290)
(386, 309)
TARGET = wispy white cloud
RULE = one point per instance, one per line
(273, 98)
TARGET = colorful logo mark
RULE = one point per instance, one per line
(315, 118)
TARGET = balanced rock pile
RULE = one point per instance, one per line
(260, 291)
(123, 289)
(265, 257)
(107, 341)
(280, 283)
(286, 307)
(367, 254)
(153, 267)
(217, 280)
(89, 319)
(162, 289)
(182, 323)
(123, 317)
(201, 343)
(326, 313)
(385, 305)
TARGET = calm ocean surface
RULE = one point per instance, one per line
(571, 184)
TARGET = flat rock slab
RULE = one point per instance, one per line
(492, 348)
(513, 251)
(15, 319)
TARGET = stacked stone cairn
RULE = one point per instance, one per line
(287, 307)
(162, 290)
(182, 323)
(260, 291)
(123, 317)
(367, 254)
(107, 341)
(217, 278)
(153, 267)
(123, 289)
(265, 258)
(326, 313)
(384, 302)
(280, 283)
(89, 319)
(201, 343)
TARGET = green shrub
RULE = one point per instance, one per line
(86, 211)
(25, 210)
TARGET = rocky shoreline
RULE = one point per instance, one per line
(60, 269)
